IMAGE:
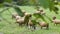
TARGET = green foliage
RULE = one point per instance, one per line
(34, 21)
(44, 3)
(37, 7)
(33, 2)
(38, 16)
(1, 5)
(18, 10)
(1, 1)
(14, 28)
(22, 2)
(8, 1)
(51, 5)
(55, 10)
(59, 3)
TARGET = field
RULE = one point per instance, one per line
(8, 25)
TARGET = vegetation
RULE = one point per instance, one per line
(8, 25)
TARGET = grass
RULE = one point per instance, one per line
(8, 26)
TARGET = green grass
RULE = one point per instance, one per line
(8, 26)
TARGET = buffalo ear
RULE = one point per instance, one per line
(54, 17)
(30, 15)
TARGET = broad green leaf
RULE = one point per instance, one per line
(55, 10)
(39, 16)
(18, 10)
